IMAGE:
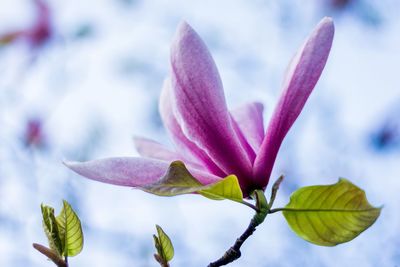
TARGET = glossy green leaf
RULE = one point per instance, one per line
(228, 188)
(163, 245)
(178, 180)
(51, 229)
(70, 230)
(328, 215)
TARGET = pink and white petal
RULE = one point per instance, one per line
(130, 171)
(200, 103)
(243, 141)
(249, 119)
(187, 148)
(151, 149)
(302, 75)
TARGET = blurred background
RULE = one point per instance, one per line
(79, 79)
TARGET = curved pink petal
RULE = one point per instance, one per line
(200, 104)
(249, 119)
(152, 149)
(185, 147)
(243, 141)
(303, 73)
(130, 171)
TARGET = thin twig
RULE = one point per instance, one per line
(233, 253)
(51, 255)
(250, 205)
(262, 208)
(161, 261)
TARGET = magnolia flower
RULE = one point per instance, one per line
(38, 33)
(34, 134)
(212, 141)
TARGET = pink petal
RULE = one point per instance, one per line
(251, 154)
(303, 73)
(130, 171)
(249, 119)
(185, 147)
(152, 149)
(200, 104)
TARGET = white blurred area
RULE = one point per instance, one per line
(95, 84)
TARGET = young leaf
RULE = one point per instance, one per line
(70, 231)
(164, 247)
(328, 215)
(178, 180)
(228, 188)
(51, 229)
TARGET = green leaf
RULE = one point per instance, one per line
(51, 229)
(164, 246)
(71, 234)
(178, 180)
(329, 215)
(228, 188)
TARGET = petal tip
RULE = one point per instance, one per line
(184, 29)
(184, 25)
(327, 25)
(65, 162)
(71, 164)
(327, 19)
(259, 106)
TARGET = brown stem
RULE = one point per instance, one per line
(161, 261)
(233, 253)
(262, 208)
(51, 255)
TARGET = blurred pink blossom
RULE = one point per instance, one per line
(34, 135)
(37, 33)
